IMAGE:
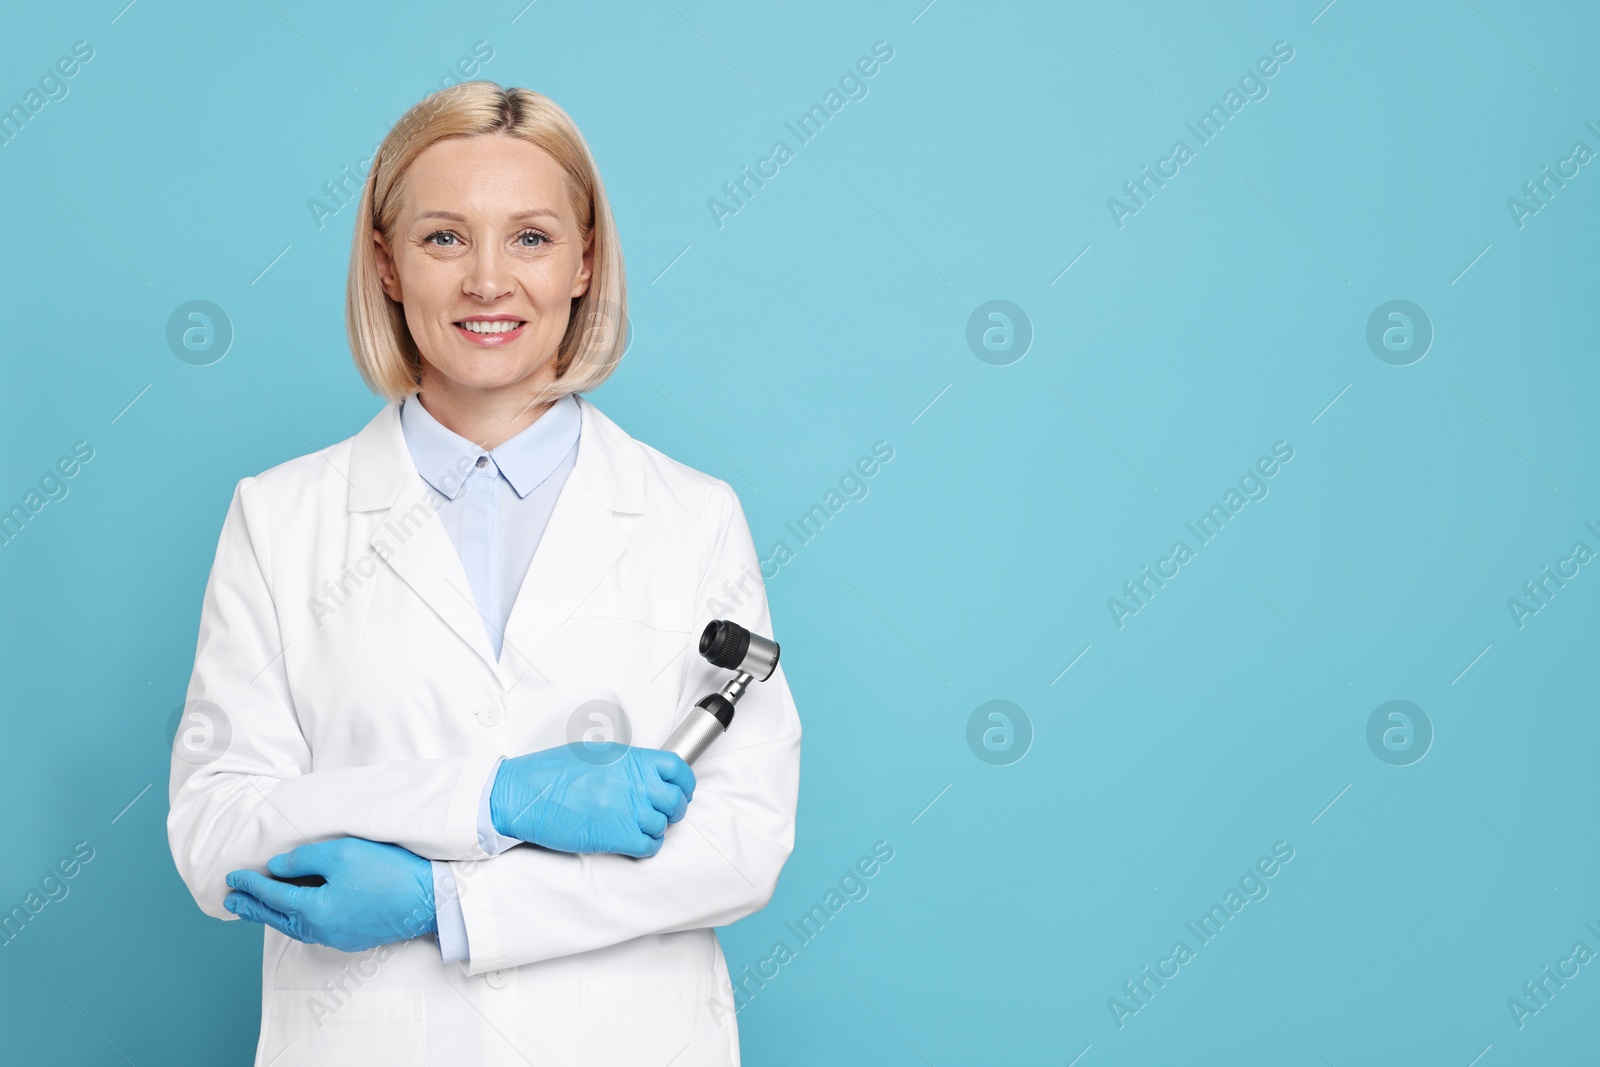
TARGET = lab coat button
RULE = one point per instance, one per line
(497, 979)
(489, 714)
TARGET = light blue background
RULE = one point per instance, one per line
(826, 315)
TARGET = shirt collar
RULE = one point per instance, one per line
(444, 458)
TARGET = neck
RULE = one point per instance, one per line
(486, 417)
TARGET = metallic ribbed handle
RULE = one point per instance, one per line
(694, 734)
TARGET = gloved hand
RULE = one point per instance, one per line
(591, 797)
(375, 894)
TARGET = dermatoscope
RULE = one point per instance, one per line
(730, 646)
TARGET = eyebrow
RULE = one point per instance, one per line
(452, 216)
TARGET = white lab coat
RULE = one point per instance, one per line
(361, 697)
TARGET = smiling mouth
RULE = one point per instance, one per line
(496, 327)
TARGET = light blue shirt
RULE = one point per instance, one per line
(495, 515)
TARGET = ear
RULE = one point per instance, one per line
(580, 282)
(385, 264)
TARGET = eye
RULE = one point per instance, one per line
(541, 239)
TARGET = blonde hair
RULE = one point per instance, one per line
(596, 336)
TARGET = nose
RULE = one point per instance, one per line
(488, 276)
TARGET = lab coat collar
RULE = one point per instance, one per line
(526, 459)
(381, 464)
(581, 543)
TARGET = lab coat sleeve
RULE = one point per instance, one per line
(716, 865)
(246, 792)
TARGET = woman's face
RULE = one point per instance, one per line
(485, 240)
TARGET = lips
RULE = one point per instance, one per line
(488, 333)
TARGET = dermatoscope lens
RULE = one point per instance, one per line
(730, 646)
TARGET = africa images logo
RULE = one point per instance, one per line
(1206, 128)
(1252, 887)
(1139, 591)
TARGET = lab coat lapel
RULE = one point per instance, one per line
(428, 561)
(581, 544)
(411, 537)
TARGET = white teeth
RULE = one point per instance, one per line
(501, 326)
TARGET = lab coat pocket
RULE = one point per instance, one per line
(651, 1019)
(306, 1027)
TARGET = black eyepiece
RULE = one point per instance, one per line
(724, 643)
(730, 646)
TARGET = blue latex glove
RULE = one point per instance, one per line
(584, 797)
(375, 894)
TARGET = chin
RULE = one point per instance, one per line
(491, 377)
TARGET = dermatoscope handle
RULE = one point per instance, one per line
(706, 721)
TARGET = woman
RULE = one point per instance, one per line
(388, 674)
